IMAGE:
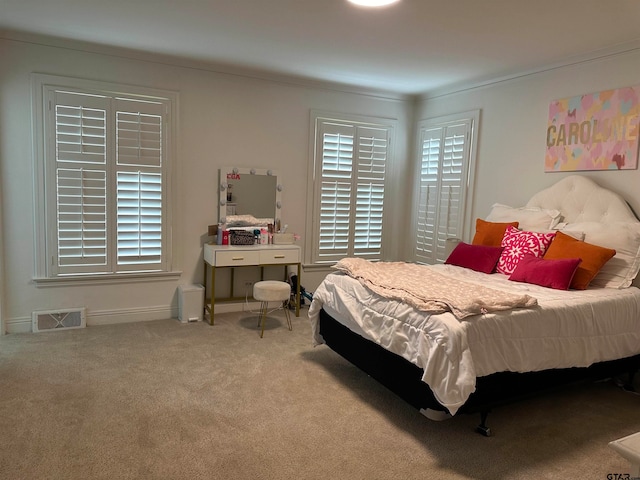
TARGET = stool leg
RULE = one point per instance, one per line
(285, 307)
(263, 315)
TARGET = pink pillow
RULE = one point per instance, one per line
(481, 258)
(546, 273)
(516, 244)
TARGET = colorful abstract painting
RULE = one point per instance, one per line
(598, 131)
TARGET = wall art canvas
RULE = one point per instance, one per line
(597, 131)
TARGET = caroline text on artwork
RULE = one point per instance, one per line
(597, 131)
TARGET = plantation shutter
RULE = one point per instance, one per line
(336, 173)
(443, 178)
(139, 184)
(80, 181)
(428, 194)
(372, 157)
(350, 190)
(105, 174)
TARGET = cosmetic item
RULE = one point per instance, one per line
(225, 237)
(283, 238)
(264, 236)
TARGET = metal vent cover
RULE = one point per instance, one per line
(66, 319)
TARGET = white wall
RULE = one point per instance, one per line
(231, 119)
(512, 134)
(223, 120)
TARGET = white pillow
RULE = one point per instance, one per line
(620, 271)
(529, 218)
(562, 227)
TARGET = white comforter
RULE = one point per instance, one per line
(566, 329)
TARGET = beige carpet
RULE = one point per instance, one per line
(171, 401)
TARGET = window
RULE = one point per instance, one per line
(103, 160)
(348, 185)
(446, 151)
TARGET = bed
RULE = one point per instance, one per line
(447, 355)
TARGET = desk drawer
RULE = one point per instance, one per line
(229, 259)
(279, 256)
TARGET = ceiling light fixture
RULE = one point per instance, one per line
(373, 3)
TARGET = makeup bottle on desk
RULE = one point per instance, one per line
(219, 234)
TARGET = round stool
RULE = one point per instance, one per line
(271, 291)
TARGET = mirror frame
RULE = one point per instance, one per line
(222, 188)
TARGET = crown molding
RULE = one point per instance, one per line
(593, 56)
(196, 64)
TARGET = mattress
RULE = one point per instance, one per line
(568, 328)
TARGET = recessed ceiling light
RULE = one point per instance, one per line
(373, 3)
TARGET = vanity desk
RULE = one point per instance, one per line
(234, 256)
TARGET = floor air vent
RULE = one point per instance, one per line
(45, 321)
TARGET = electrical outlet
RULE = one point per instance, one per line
(248, 284)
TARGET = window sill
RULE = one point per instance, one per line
(69, 280)
(315, 267)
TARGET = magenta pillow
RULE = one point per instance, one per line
(546, 273)
(481, 258)
(518, 243)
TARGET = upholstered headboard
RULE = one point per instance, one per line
(580, 199)
(579, 207)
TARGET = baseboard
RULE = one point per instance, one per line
(18, 325)
(105, 317)
(128, 315)
(236, 307)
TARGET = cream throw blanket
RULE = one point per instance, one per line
(429, 291)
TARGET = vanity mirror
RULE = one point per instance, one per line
(247, 193)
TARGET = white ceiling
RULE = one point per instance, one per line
(415, 46)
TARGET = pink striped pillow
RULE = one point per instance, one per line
(516, 244)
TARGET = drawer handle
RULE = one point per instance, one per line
(237, 258)
(278, 256)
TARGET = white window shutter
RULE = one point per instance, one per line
(139, 139)
(443, 177)
(82, 219)
(81, 130)
(372, 158)
(453, 181)
(349, 186)
(104, 168)
(139, 184)
(139, 218)
(336, 173)
(80, 182)
(428, 194)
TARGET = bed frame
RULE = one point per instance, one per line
(405, 379)
(578, 199)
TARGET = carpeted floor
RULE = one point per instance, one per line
(164, 400)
